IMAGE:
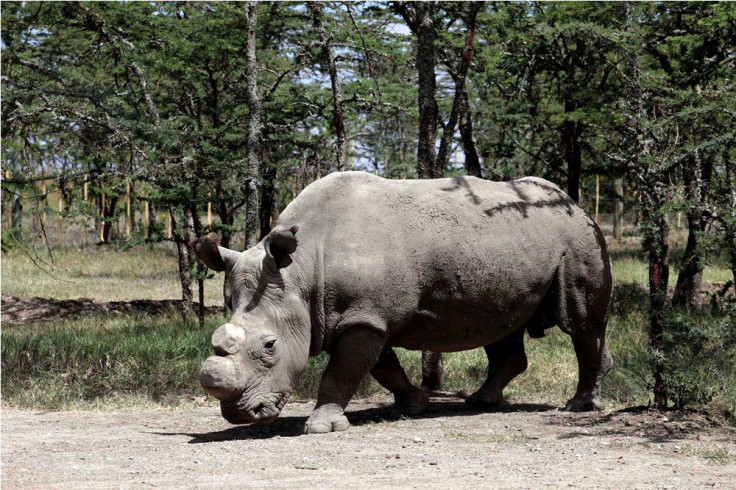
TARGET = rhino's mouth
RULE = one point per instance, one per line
(260, 408)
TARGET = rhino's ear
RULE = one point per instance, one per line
(214, 257)
(279, 245)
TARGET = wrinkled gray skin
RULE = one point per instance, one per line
(358, 264)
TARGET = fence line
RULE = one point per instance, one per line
(603, 203)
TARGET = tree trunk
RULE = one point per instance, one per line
(472, 161)
(268, 191)
(328, 59)
(152, 217)
(16, 215)
(131, 196)
(651, 177)
(618, 208)
(658, 276)
(571, 149)
(729, 221)
(655, 229)
(420, 19)
(433, 372)
(181, 235)
(109, 210)
(690, 277)
(227, 218)
(461, 93)
(192, 215)
(253, 143)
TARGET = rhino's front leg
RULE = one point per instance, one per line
(356, 353)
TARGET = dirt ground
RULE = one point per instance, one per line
(451, 445)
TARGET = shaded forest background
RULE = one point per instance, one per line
(234, 108)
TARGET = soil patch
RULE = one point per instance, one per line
(522, 445)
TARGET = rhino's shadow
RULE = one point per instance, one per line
(294, 426)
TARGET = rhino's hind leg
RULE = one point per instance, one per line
(594, 362)
(506, 360)
(388, 372)
(583, 297)
(356, 352)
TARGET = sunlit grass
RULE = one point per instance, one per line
(717, 455)
(103, 273)
(634, 269)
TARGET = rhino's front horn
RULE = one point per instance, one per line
(227, 339)
(222, 378)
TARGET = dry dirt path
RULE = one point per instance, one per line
(451, 446)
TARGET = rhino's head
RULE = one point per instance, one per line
(263, 350)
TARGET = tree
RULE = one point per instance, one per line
(420, 17)
(253, 139)
(690, 43)
(328, 64)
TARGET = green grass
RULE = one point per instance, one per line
(155, 361)
(135, 360)
(91, 361)
(634, 269)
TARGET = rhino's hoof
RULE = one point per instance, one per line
(485, 399)
(413, 403)
(322, 427)
(327, 418)
(584, 404)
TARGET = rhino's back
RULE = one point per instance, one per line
(462, 251)
(359, 203)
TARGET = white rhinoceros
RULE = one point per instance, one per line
(358, 264)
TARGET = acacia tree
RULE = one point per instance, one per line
(457, 62)
(327, 60)
(173, 105)
(690, 44)
(653, 145)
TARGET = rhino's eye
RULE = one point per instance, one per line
(269, 344)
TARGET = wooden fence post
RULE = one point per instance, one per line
(169, 227)
(618, 208)
(127, 210)
(597, 195)
(86, 193)
(145, 221)
(45, 203)
(102, 217)
(9, 205)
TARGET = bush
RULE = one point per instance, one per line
(700, 360)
